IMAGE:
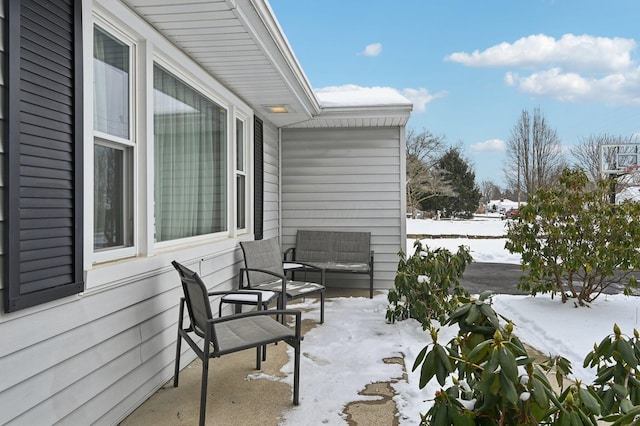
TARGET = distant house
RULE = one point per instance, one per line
(501, 205)
(136, 132)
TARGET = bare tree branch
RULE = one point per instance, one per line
(424, 179)
(534, 154)
(588, 156)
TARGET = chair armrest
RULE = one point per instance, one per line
(292, 251)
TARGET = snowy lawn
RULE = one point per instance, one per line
(346, 353)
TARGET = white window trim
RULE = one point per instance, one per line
(151, 259)
(238, 116)
(127, 38)
(184, 76)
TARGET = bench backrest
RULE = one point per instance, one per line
(333, 246)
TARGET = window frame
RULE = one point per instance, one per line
(151, 47)
(101, 138)
(244, 172)
(161, 59)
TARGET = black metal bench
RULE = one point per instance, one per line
(334, 251)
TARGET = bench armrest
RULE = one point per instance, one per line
(308, 266)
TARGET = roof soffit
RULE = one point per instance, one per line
(240, 43)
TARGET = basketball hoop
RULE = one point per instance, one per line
(619, 159)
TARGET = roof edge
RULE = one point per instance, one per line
(287, 63)
(367, 116)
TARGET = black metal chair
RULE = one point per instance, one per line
(231, 333)
(264, 270)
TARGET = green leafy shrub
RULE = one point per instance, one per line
(427, 284)
(574, 242)
(618, 383)
(494, 381)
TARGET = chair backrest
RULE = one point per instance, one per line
(262, 254)
(195, 294)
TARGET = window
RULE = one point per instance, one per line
(241, 177)
(112, 196)
(190, 137)
(113, 149)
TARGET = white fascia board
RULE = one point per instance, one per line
(260, 21)
(378, 111)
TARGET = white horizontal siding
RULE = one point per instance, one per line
(105, 351)
(93, 359)
(271, 186)
(348, 180)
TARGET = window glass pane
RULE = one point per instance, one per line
(111, 202)
(241, 201)
(110, 85)
(190, 136)
(239, 145)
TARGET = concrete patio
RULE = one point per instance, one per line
(240, 395)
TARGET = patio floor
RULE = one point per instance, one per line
(234, 399)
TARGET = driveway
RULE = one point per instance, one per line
(503, 278)
(498, 277)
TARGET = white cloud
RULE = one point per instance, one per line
(511, 78)
(492, 145)
(613, 89)
(579, 53)
(372, 49)
(421, 97)
(571, 69)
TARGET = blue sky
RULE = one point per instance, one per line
(471, 67)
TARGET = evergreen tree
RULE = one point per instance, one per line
(463, 181)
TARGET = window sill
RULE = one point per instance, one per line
(114, 273)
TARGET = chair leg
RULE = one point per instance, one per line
(203, 389)
(258, 357)
(322, 307)
(371, 285)
(296, 373)
(176, 371)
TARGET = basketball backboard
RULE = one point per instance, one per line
(619, 159)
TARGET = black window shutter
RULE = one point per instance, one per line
(43, 152)
(258, 182)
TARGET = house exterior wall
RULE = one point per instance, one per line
(347, 179)
(97, 356)
(94, 357)
(271, 179)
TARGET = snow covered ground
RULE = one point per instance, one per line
(482, 250)
(345, 354)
